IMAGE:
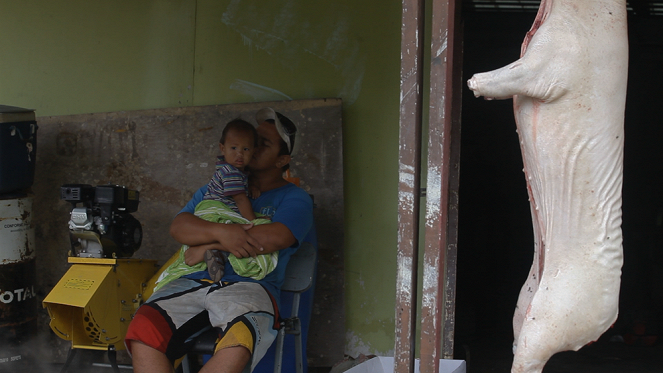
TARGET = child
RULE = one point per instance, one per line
(229, 184)
(226, 201)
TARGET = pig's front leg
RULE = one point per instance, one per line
(518, 78)
(539, 74)
(497, 84)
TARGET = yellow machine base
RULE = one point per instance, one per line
(94, 301)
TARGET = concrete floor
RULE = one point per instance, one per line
(56, 368)
(493, 355)
(100, 365)
(486, 355)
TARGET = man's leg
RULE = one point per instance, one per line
(240, 311)
(171, 315)
(227, 360)
(147, 359)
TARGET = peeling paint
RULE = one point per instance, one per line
(407, 179)
(406, 198)
(403, 279)
(433, 194)
(16, 231)
(414, 88)
(443, 46)
(430, 285)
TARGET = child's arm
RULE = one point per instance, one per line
(244, 206)
(254, 191)
(254, 188)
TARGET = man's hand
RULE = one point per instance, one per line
(196, 254)
(238, 242)
(190, 230)
(242, 240)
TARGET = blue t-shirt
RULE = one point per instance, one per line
(288, 205)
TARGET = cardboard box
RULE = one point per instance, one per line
(386, 365)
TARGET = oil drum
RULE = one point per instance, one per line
(18, 301)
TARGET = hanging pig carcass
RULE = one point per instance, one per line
(569, 92)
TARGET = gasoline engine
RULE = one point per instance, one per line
(103, 226)
(94, 302)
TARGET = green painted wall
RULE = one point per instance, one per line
(71, 57)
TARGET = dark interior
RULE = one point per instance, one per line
(495, 231)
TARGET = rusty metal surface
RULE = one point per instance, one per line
(18, 313)
(412, 32)
(18, 146)
(437, 190)
(169, 153)
(448, 327)
(18, 298)
(17, 237)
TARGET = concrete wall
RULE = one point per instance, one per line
(75, 57)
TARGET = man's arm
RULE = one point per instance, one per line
(191, 230)
(273, 236)
(276, 236)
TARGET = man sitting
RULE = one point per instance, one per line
(243, 310)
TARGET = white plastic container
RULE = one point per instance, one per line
(386, 365)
